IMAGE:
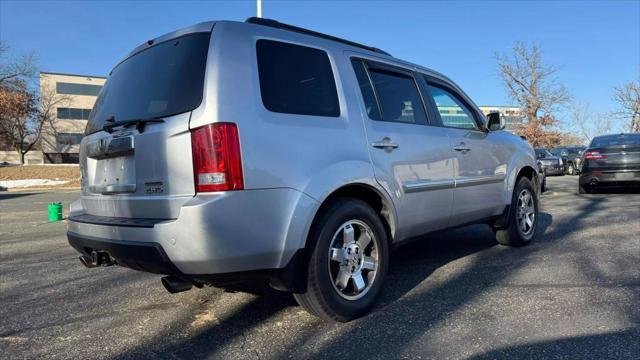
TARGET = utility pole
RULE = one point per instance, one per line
(259, 7)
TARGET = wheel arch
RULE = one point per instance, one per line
(293, 276)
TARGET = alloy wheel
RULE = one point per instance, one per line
(353, 259)
(526, 212)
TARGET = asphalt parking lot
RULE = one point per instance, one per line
(573, 293)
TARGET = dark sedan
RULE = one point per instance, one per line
(552, 165)
(611, 160)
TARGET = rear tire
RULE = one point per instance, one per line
(584, 189)
(348, 264)
(522, 216)
(571, 170)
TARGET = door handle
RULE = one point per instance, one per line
(461, 147)
(386, 143)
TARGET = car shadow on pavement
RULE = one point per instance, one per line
(596, 346)
(405, 306)
(13, 195)
(616, 190)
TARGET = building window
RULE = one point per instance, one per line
(68, 138)
(73, 114)
(296, 79)
(77, 89)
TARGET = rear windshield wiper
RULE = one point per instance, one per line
(139, 123)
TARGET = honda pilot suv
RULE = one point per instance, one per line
(240, 151)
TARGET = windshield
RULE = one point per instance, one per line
(163, 80)
(542, 153)
(621, 140)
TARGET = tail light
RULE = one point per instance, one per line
(593, 155)
(217, 165)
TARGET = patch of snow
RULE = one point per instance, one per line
(8, 184)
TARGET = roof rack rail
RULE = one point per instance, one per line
(278, 25)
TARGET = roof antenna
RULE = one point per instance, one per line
(259, 8)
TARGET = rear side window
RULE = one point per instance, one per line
(296, 79)
(398, 97)
(368, 95)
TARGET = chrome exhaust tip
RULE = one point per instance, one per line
(86, 261)
(175, 285)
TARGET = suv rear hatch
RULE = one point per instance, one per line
(136, 156)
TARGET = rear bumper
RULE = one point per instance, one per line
(138, 255)
(215, 233)
(553, 170)
(610, 177)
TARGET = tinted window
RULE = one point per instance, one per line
(77, 89)
(73, 114)
(296, 79)
(69, 138)
(162, 80)
(621, 140)
(542, 153)
(63, 113)
(452, 111)
(367, 91)
(398, 97)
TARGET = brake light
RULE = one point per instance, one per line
(593, 155)
(217, 165)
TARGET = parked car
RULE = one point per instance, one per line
(611, 160)
(229, 151)
(571, 157)
(552, 165)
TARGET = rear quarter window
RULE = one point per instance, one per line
(296, 79)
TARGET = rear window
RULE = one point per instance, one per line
(622, 140)
(296, 79)
(542, 153)
(163, 80)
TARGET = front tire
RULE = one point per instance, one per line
(348, 264)
(522, 216)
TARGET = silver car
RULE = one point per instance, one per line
(231, 151)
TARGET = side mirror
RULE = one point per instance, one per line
(495, 121)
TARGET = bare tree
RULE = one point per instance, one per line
(628, 99)
(568, 138)
(17, 109)
(24, 113)
(535, 87)
(589, 124)
(15, 68)
(25, 116)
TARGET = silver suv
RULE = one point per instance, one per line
(230, 151)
